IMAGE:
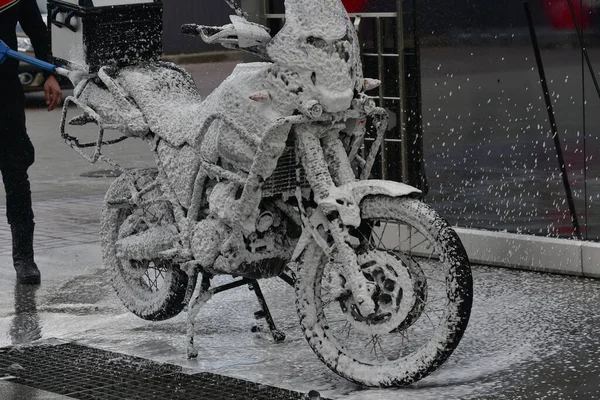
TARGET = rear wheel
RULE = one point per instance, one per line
(152, 289)
(423, 296)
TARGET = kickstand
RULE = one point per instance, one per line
(202, 295)
(278, 336)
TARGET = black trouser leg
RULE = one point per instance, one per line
(16, 155)
(18, 196)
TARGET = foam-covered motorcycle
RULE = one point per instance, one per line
(269, 177)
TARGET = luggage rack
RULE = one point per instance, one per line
(123, 102)
(91, 116)
(73, 141)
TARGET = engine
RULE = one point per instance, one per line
(221, 249)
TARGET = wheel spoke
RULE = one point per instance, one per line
(434, 279)
(402, 346)
(382, 235)
(328, 302)
(405, 339)
(412, 247)
(347, 328)
(374, 343)
(363, 239)
(146, 210)
(372, 235)
(427, 316)
(151, 274)
(401, 242)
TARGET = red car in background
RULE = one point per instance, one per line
(354, 6)
(559, 13)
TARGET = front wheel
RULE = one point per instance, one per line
(423, 296)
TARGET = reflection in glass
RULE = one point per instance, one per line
(25, 327)
(489, 152)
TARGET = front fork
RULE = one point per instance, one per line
(327, 169)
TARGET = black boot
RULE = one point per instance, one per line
(22, 241)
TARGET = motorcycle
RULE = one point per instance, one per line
(269, 177)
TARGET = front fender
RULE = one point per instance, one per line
(361, 189)
(344, 202)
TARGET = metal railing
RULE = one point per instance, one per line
(384, 37)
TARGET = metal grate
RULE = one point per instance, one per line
(283, 179)
(86, 373)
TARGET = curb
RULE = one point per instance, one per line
(532, 253)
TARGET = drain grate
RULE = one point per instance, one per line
(86, 373)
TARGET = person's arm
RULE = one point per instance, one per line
(33, 25)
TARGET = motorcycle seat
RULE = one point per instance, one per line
(168, 98)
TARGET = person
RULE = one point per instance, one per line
(16, 150)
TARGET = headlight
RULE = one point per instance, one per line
(24, 44)
(369, 105)
(311, 108)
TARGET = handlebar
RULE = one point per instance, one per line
(200, 30)
(190, 29)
